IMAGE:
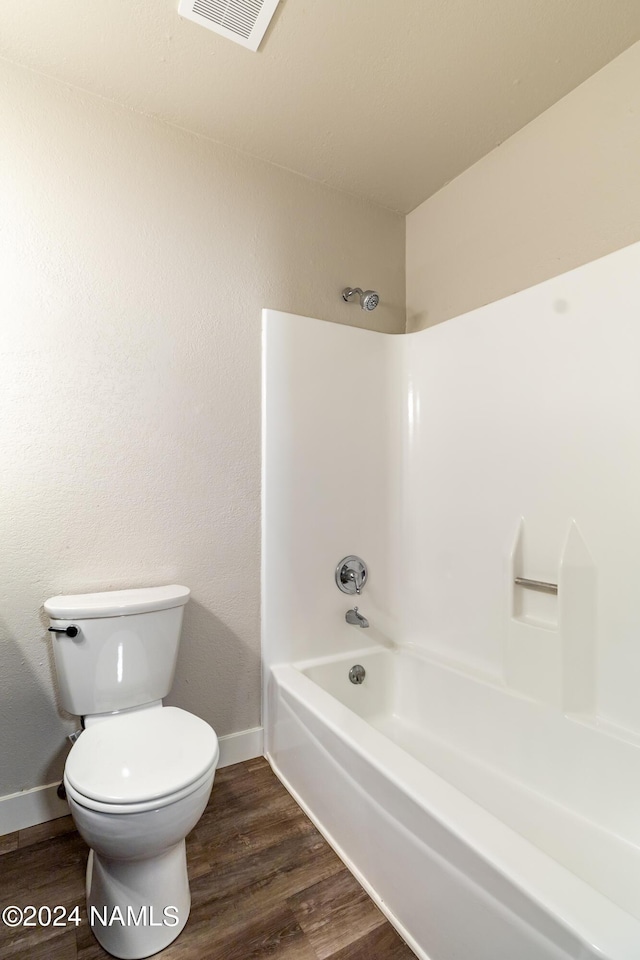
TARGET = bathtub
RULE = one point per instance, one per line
(487, 826)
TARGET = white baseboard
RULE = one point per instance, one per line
(29, 807)
(25, 809)
(237, 747)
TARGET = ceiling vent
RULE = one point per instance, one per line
(244, 21)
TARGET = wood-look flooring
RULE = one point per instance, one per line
(264, 884)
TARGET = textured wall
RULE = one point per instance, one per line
(134, 263)
(561, 192)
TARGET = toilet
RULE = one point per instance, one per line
(139, 776)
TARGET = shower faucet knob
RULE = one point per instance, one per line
(351, 575)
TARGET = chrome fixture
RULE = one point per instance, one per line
(357, 673)
(369, 299)
(351, 575)
(537, 584)
(355, 618)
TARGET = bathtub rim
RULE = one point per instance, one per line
(601, 925)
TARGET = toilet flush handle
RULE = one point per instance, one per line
(70, 631)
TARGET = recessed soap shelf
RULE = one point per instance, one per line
(551, 627)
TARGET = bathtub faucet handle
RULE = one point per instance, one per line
(351, 575)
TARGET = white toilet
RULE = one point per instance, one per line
(139, 776)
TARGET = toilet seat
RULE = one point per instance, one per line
(141, 760)
(144, 806)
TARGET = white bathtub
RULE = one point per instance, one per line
(486, 825)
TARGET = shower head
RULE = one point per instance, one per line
(369, 299)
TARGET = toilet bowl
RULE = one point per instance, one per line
(139, 776)
(137, 783)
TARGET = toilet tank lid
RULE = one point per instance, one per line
(116, 603)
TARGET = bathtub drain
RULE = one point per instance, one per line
(357, 673)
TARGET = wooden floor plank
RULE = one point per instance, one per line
(334, 913)
(44, 831)
(265, 885)
(241, 935)
(8, 842)
(58, 945)
(383, 943)
(46, 873)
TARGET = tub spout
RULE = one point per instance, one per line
(352, 616)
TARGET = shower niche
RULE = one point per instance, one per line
(551, 625)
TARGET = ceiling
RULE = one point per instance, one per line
(388, 99)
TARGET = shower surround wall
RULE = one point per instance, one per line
(504, 443)
(330, 410)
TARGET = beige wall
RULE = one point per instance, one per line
(134, 262)
(561, 192)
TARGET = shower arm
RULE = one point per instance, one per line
(350, 291)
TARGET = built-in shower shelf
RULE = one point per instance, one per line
(550, 642)
(535, 602)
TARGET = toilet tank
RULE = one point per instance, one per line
(125, 651)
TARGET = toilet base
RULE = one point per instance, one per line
(138, 907)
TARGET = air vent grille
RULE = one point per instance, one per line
(244, 21)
